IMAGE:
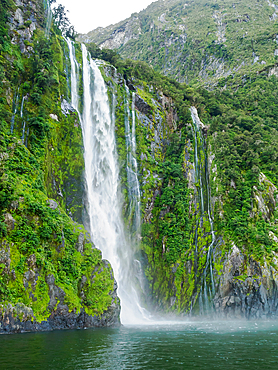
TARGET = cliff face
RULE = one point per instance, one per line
(208, 235)
(197, 41)
(51, 276)
(208, 238)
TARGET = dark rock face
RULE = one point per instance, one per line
(249, 295)
(20, 319)
(60, 319)
(142, 106)
(23, 22)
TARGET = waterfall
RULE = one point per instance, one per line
(132, 167)
(21, 116)
(204, 188)
(26, 138)
(15, 106)
(74, 77)
(134, 196)
(102, 179)
(48, 17)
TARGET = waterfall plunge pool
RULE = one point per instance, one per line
(202, 345)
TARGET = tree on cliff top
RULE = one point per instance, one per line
(62, 22)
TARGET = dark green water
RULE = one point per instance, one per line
(198, 345)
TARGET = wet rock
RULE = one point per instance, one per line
(246, 289)
(80, 243)
(56, 294)
(22, 25)
(66, 108)
(31, 261)
(13, 274)
(14, 205)
(52, 204)
(3, 157)
(82, 282)
(29, 275)
(19, 16)
(265, 201)
(9, 221)
(142, 106)
(20, 318)
(5, 256)
(172, 301)
(62, 245)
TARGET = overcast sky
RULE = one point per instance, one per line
(86, 15)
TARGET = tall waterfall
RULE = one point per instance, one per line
(48, 17)
(202, 177)
(24, 121)
(132, 167)
(15, 107)
(102, 178)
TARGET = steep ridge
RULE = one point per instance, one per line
(197, 41)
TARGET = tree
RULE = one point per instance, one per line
(62, 22)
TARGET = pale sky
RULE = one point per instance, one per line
(86, 15)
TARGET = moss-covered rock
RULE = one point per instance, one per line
(51, 276)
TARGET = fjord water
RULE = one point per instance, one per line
(192, 345)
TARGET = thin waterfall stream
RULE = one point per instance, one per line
(132, 167)
(201, 173)
(24, 121)
(102, 180)
(15, 107)
(47, 6)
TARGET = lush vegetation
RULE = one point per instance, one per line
(41, 159)
(243, 134)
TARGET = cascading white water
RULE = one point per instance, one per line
(15, 106)
(132, 167)
(74, 78)
(136, 191)
(24, 122)
(102, 178)
(197, 130)
(48, 17)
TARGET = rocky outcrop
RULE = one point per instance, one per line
(114, 37)
(142, 106)
(266, 200)
(19, 318)
(246, 289)
(23, 23)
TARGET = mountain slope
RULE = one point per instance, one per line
(198, 40)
